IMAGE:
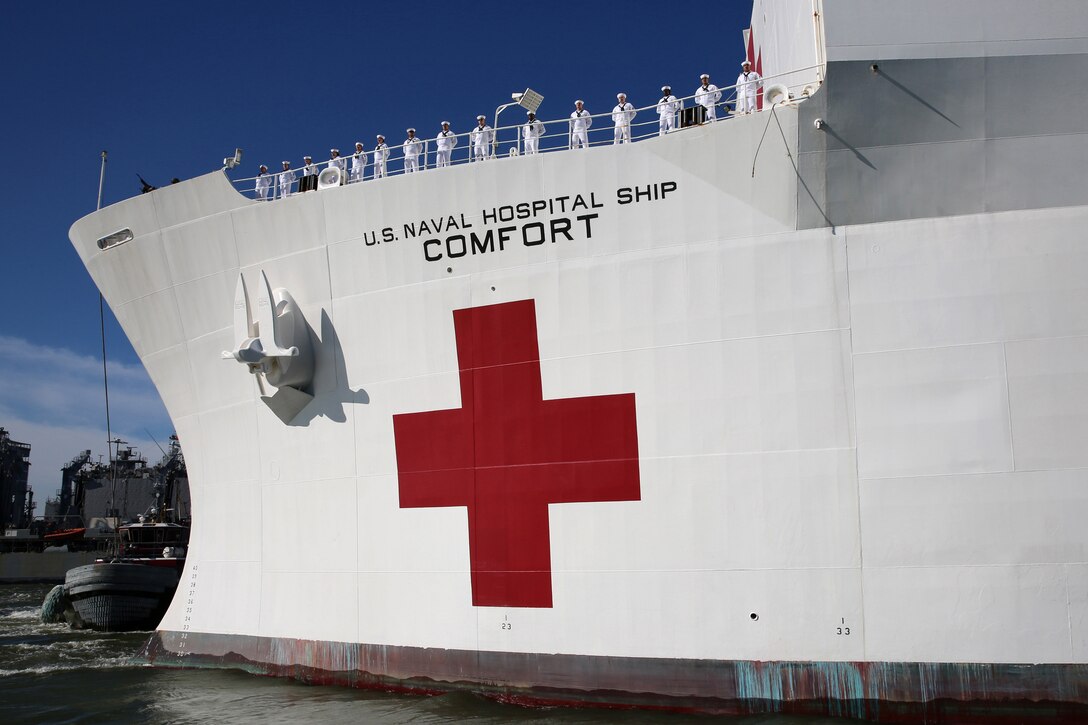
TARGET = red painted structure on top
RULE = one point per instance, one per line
(507, 453)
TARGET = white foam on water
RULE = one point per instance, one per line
(22, 613)
(108, 663)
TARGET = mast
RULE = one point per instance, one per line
(105, 376)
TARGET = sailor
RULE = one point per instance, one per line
(264, 183)
(622, 115)
(335, 159)
(531, 133)
(481, 138)
(707, 95)
(309, 174)
(381, 155)
(445, 141)
(580, 121)
(358, 163)
(412, 147)
(286, 178)
(667, 108)
(747, 88)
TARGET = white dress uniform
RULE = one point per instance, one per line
(481, 137)
(309, 168)
(358, 165)
(530, 135)
(286, 178)
(622, 115)
(747, 87)
(445, 141)
(264, 183)
(340, 162)
(381, 156)
(708, 96)
(412, 148)
(580, 122)
(667, 108)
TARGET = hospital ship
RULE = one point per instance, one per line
(786, 412)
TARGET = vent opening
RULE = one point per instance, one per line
(118, 237)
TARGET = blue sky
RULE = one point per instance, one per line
(169, 89)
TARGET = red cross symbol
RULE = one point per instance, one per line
(507, 453)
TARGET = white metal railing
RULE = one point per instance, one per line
(508, 140)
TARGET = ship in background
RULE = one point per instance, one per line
(16, 497)
(781, 413)
(82, 520)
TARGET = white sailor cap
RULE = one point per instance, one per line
(334, 151)
(264, 167)
(381, 137)
(481, 118)
(704, 75)
(307, 158)
(358, 143)
(579, 101)
(621, 95)
(411, 130)
(530, 113)
(745, 62)
(445, 123)
(286, 163)
(666, 88)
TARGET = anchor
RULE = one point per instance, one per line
(274, 346)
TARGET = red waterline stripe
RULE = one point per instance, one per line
(895, 692)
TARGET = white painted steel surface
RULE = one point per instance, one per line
(881, 30)
(789, 43)
(876, 426)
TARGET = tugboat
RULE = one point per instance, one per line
(132, 590)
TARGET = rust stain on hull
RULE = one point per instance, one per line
(894, 692)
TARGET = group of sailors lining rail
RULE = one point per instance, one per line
(482, 137)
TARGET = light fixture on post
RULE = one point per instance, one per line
(231, 161)
(529, 99)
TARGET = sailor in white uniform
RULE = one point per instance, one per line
(481, 138)
(445, 141)
(667, 108)
(747, 88)
(531, 133)
(622, 115)
(707, 95)
(381, 155)
(358, 162)
(309, 168)
(580, 121)
(264, 183)
(412, 148)
(335, 159)
(286, 178)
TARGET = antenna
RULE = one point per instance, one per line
(154, 441)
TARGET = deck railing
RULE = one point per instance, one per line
(508, 140)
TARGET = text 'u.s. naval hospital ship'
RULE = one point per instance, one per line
(786, 412)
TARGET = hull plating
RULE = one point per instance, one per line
(876, 691)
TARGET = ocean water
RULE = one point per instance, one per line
(52, 674)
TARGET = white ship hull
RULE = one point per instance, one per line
(768, 463)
